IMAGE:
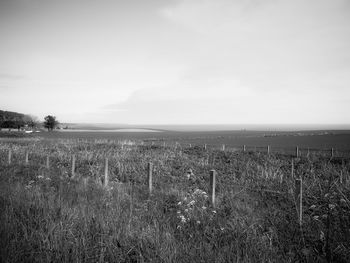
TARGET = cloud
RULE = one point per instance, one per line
(6, 76)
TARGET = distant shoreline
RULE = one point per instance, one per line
(108, 130)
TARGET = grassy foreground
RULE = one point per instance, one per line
(47, 216)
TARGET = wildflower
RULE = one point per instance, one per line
(222, 228)
(214, 211)
(203, 207)
(179, 203)
(312, 207)
(316, 217)
(186, 210)
(191, 203)
(198, 222)
(331, 206)
(40, 176)
(183, 219)
(178, 212)
(322, 236)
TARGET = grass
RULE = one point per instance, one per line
(47, 216)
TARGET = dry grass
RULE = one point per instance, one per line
(49, 217)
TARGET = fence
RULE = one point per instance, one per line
(76, 166)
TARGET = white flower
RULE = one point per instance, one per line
(178, 212)
(198, 222)
(183, 219)
(331, 206)
(192, 202)
(179, 203)
(203, 207)
(40, 176)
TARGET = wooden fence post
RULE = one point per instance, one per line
(223, 147)
(292, 168)
(299, 199)
(106, 173)
(26, 158)
(150, 169)
(243, 148)
(268, 149)
(205, 146)
(341, 177)
(9, 156)
(73, 166)
(297, 151)
(332, 153)
(47, 162)
(212, 187)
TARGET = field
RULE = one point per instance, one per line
(51, 215)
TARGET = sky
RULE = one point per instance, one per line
(177, 61)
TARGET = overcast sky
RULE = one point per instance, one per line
(177, 61)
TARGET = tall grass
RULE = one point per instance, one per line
(46, 216)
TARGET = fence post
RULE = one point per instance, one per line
(73, 166)
(332, 153)
(47, 162)
(212, 186)
(150, 169)
(297, 151)
(205, 146)
(299, 199)
(292, 168)
(268, 149)
(190, 145)
(243, 148)
(341, 177)
(26, 158)
(223, 147)
(9, 156)
(106, 173)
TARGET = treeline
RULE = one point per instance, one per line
(15, 120)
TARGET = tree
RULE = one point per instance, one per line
(50, 122)
(31, 121)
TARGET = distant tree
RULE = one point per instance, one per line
(31, 121)
(50, 122)
(9, 124)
